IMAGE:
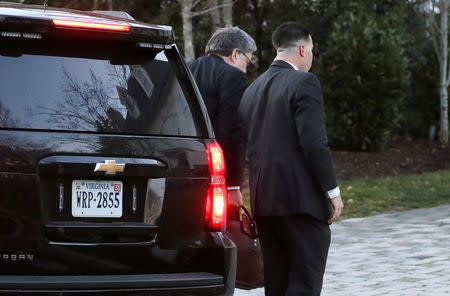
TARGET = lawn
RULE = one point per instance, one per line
(367, 197)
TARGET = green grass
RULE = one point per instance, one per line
(366, 197)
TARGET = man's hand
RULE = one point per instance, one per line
(338, 205)
(235, 198)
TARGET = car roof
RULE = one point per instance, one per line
(39, 12)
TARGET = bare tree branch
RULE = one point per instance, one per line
(195, 3)
(208, 10)
(187, 14)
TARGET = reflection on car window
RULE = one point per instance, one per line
(66, 93)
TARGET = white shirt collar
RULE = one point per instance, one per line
(293, 66)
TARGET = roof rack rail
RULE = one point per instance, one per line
(121, 14)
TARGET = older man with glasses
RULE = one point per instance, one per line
(221, 78)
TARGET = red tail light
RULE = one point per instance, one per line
(90, 25)
(216, 202)
(216, 160)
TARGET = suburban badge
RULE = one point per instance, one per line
(110, 167)
(22, 257)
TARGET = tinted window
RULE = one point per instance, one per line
(85, 94)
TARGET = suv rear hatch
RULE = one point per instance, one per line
(103, 145)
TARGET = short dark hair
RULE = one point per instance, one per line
(225, 40)
(287, 34)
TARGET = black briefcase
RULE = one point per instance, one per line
(242, 230)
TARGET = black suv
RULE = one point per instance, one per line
(111, 182)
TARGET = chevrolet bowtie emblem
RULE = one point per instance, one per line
(109, 167)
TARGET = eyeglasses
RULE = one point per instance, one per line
(248, 60)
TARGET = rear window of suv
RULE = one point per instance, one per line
(70, 93)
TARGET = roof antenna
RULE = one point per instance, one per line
(45, 5)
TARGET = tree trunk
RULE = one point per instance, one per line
(186, 15)
(443, 134)
(228, 12)
(110, 5)
(443, 91)
(95, 5)
(215, 15)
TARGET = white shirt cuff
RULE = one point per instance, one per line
(234, 187)
(334, 193)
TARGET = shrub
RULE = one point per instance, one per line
(364, 73)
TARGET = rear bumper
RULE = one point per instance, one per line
(189, 283)
(194, 283)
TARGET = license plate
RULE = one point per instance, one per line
(102, 199)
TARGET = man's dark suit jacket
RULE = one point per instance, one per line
(290, 164)
(221, 87)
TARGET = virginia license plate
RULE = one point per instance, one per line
(102, 199)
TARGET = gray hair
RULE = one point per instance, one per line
(225, 40)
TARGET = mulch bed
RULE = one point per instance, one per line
(405, 156)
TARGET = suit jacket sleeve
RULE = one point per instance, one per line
(228, 127)
(307, 105)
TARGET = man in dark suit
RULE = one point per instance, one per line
(221, 79)
(292, 182)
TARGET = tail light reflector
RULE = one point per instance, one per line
(90, 25)
(216, 202)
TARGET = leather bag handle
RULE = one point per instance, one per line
(248, 223)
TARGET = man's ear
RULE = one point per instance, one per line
(234, 54)
(301, 50)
